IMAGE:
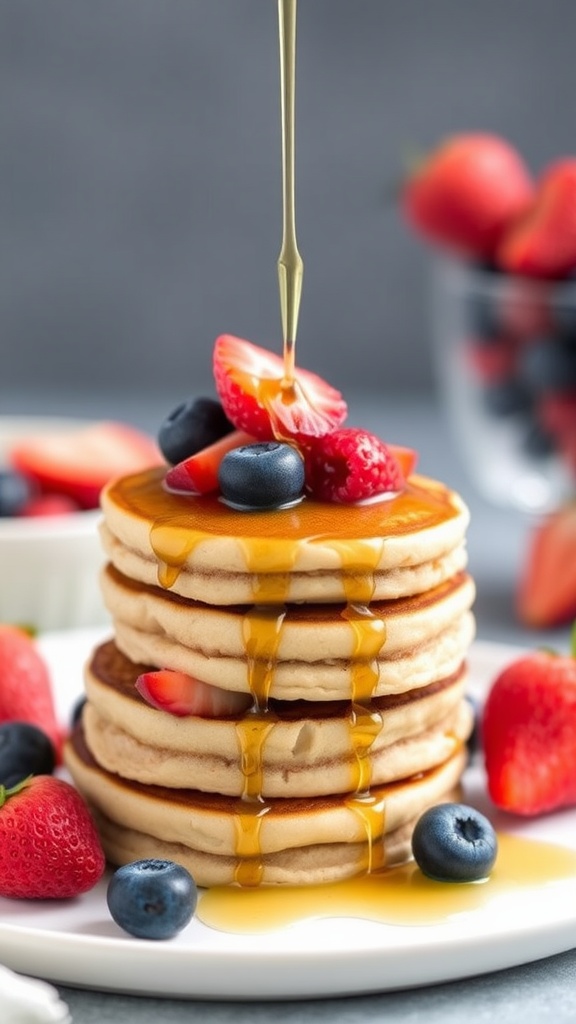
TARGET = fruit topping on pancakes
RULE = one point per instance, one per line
(288, 440)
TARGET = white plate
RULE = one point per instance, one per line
(76, 942)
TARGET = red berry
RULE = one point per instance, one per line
(529, 734)
(542, 242)
(79, 463)
(557, 412)
(181, 694)
(49, 846)
(466, 192)
(351, 465)
(492, 360)
(25, 685)
(546, 591)
(198, 473)
(250, 384)
(49, 505)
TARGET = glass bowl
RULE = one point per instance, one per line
(505, 350)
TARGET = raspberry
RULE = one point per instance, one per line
(351, 465)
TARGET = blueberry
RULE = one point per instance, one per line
(24, 750)
(454, 843)
(269, 474)
(549, 365)
(564, 312)
(482, 317)
(192, 426)
(152, 899)
(15, 492)
(506, 397)
(538, 442)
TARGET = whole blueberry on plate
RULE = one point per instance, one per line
(454, 843)
(192, 426)
(15, 492)
(152, 899)
(265, 475)
(24, 750)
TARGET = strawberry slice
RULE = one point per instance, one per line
(542, 242)
(79, 463)
(199, 473)
(249, 381)
(546, 593)
(180, 694)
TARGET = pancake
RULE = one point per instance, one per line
(150, 622)
(310, 865)
(327, 680)
(199, 548)
(242, 840)
(305, 748)
(349, 627)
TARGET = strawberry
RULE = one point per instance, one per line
(557, 411)
(199, 472)
(529, 734)
(180, 694)
(492, 360)
(79, 463)
(25, 684)
(249, 381)
(546, 591)
(49, 846)
(466, 192)
(542, 241)
(49, 505)
(351, 465)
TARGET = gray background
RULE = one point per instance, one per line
(140, 177)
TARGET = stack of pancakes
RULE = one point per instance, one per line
(348, 626)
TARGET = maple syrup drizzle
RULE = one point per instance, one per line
(261, 634)
(270, 565)
(249, 868)
(270, 559)
(399, 896)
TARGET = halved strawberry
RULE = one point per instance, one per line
(198, 474)
(79, 463)
(546, 593)
(180, 694)
(250, 384)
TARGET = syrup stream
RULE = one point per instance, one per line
(290, 265)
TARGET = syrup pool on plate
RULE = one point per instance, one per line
(398, 896)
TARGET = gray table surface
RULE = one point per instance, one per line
(497, 541)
